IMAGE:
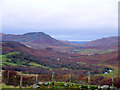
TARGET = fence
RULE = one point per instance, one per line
(24, 80)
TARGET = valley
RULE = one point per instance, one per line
(38, 53)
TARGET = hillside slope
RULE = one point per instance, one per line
(34, 39)
(16, 56)
(40, 40)
(105, 43)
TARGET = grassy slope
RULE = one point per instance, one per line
(94, 51)
(114, 73)
(5, 61)
(34, 64)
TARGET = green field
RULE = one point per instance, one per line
(5, 59)
(9, 61)
(114, 74)
(93, 51)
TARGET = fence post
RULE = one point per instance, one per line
(112, 81)
(36, 78)
(21, 79)
(53, 75)
(88, 80)
(70, 76)
(8, 77)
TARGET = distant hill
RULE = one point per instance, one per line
(40, 40)
(105, 43)
(34, 39)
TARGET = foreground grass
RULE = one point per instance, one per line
(61, 85)
(8, 86)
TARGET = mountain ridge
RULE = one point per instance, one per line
(107, 42)
(34, 39)
(40, 40)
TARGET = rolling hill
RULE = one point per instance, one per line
(40, 40)
(19, 57)
(103, 43)
(40, 53)
(35, 40)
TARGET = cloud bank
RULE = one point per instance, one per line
(63, 19)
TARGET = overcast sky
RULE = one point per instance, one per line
(62, 19)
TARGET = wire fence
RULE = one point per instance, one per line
(24, 80)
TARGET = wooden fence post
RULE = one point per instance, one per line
(70, 76)
(112, 81)
(8, 77)
(88, 80)
(36, 78)
(21, 79)
(53, 75)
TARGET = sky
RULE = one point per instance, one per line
(61, 19)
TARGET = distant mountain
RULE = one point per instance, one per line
(40, 40)
(109, 42)
(34, 39)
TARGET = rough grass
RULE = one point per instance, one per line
(28, 46)
(4, 59)
(60, 85)
(33, 64)
(93, 51)
(37, 65)
(8, 61)
(114, 74)
(8, 86)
